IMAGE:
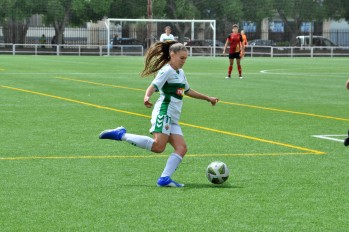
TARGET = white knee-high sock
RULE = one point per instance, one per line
(172, 163)
(140, 141)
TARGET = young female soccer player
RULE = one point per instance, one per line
(236, 47)
(166, 59)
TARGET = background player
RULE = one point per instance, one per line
(236, 47)
(167, 35)
(244, 42)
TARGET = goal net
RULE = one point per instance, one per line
(134, 34)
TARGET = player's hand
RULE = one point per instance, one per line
(213, 100)
(242, 54)
(147, 103)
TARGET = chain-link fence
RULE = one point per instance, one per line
(98, 36)
(133, 40)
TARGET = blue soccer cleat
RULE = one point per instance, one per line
(168, 182)
(114, 134)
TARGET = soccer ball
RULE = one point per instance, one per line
(217, 172)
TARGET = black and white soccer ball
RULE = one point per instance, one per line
(217, 172)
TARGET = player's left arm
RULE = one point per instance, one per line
(194, 94)
(242, 46)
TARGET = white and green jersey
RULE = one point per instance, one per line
(172, 85)
(165, 37)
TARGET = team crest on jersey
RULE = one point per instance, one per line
(180, 91)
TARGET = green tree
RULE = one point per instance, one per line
(176, 9)
(294, 12)
(256, 10)
(60, 13)
(338, 9)
(345, 4)
(226, 13)
(14, 16)
(127, 9)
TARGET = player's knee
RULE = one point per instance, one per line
(181, 150)
(158, 148)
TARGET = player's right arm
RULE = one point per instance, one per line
(225, 46)
(148, 93)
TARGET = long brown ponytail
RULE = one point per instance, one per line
(159, 54)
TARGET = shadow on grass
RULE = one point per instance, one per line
(189, 186)
(198, 186)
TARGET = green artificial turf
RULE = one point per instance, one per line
(56, 175)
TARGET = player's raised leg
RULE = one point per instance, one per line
(120, 134)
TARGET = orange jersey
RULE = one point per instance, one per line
(234, 40)
(244, 40)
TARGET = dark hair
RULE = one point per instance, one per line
(235, 25)
(159, 54)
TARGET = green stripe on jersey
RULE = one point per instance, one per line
(164, 105)
(175, 90)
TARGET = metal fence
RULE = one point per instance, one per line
(138, 50)
(78, 50)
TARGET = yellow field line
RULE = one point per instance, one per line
(100, 84)
(150, 156)
(184, 124)
(257, 154)
(221, 102)
(76, 101)
(285, 111)
(255, 139)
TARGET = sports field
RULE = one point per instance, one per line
(56, 175)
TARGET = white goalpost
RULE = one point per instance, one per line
(152, 23)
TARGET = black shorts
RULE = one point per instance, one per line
(235, 55)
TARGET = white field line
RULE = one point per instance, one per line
(330, 137)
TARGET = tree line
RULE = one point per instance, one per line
(15, 14)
